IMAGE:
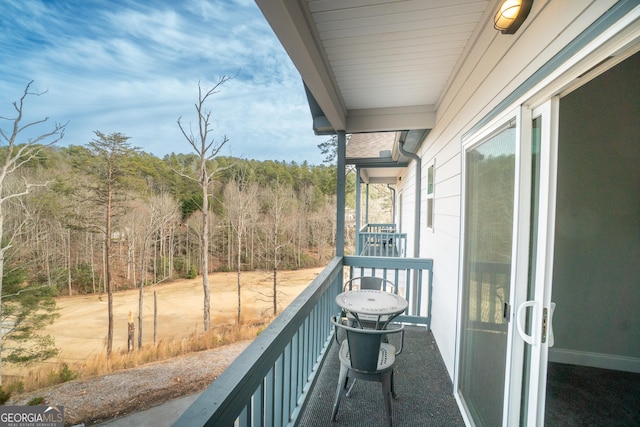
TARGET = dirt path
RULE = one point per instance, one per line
(102, 398)
(81, 330)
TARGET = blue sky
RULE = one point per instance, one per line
(133, 67)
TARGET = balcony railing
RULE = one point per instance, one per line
(381, 240)
(270, 382)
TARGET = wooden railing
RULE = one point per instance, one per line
(413, 278)
(489, 285)
(381, 240)
(269, 383)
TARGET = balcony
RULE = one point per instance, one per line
(381, 240)
(288, 375)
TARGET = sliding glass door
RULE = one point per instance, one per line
(534, 314)
(506, 313)
(490, 172)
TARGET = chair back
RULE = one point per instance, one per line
(364, 349)
(369, 282)
(364, 345)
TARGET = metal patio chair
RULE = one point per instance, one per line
(364, 355)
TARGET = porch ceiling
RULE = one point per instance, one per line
(376, 65)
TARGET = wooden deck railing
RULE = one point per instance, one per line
(381, 240)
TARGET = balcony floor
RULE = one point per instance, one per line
(425, 391)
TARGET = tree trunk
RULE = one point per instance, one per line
(107, 249)
(130, 333)
(93, 267)
(229, 245)
(172, 234)
(141, 294)
(69, 260)
(2, 250)
(155, 263)
(275, 288)
(275, 263)
(155, 316)
(205, 249)
(239, 269)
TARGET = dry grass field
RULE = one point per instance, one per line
(80, 331)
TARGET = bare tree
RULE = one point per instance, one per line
(162, 210)
(241, 204)
(206, 147)
(279, 203)
(304, 211)
(14, 155)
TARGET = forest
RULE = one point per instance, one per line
(261, 216)
(264, 215)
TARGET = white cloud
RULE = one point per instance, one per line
(134, 68)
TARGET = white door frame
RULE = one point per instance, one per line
(540, 305)
(477, 138)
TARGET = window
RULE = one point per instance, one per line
(430, 192)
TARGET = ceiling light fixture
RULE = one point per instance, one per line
(511, 15)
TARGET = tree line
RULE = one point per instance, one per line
(155, 230)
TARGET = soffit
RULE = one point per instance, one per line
(375, 65)
(376, 68)
(390, 54)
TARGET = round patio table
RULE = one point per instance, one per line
(372, 305)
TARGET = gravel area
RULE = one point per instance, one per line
(102, 398)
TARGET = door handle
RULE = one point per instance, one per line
(550, 339)
(529, 339)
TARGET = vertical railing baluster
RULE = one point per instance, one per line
(286, 384)
(278, 371)
(410, 291)
(295, 386)
(419, 293)
(245, 417)
(278, 412)
(269, 399)
(312, 340)
(479, 285)
(316, 348)
(430, 300)
(257, 415)
(307, 346)
(301, 380)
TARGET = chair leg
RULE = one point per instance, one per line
(386, 392)
(393, 387)
(351, 388)
(340, 390)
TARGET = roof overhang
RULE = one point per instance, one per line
(377, 155)
(371, 67)
(372, 119)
